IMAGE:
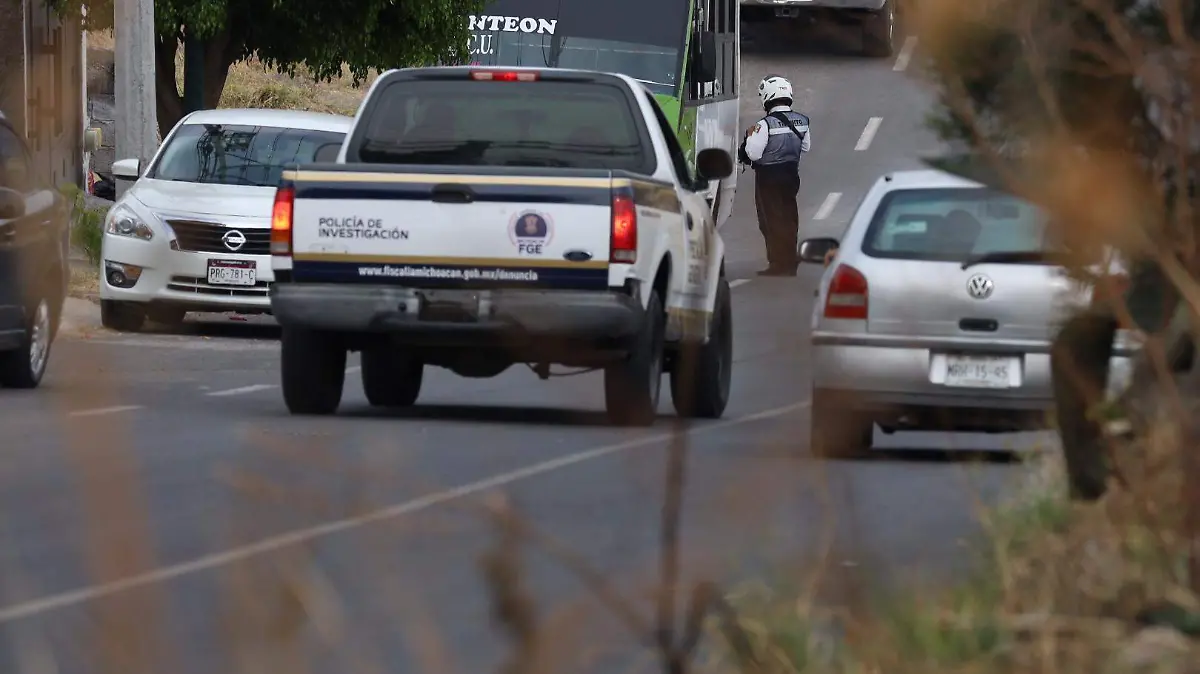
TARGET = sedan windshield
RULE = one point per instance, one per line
(226, 154)
(958, 225)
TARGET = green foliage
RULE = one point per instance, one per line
(1011, 71)
(323, 36)
(87, 223)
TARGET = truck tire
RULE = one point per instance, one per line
(313, 371)
(390, 378)
(632, 386)
(837, 432)
(878, 32)
(24, 366)
(702, 375)
(122, 316)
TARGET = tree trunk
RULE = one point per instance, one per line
(220, 52)
(1079, 363)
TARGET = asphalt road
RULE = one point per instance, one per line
(155, 491)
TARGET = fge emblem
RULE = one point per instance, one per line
(530, 232)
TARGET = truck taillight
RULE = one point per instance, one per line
(281, 221)
(503, 76)
(623, 248)
(847, 296)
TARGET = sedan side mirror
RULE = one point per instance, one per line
(12, 204)
(714, 164)
(815, 251)
(127, 169)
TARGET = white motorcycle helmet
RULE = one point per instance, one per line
(773, 88)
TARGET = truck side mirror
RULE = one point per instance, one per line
(714, 164)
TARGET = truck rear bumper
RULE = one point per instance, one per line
(443, 316)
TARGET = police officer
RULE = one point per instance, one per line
(772, 147)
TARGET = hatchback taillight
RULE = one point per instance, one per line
(847, 296)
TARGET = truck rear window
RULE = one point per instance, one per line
(954, 224)
(476, 123)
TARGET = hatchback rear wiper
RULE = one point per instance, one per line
(1010, 257)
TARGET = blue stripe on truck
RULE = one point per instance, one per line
(494, 192)
(450, 275)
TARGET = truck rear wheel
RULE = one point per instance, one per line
(632, 386)
(313, 371)
(702, 375)
(390, 378)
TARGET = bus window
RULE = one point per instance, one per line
(586, 34)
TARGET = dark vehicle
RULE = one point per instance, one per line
(34, 248)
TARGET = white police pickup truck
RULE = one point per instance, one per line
(481, 218)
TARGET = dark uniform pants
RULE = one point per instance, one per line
(778, 216)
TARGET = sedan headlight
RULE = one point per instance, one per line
(122, 221)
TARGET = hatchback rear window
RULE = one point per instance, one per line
(583, 125)
(954, 224)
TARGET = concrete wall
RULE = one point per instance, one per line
(43, 87)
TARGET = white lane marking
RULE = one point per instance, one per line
(827, 206)
(101, 411)
(301, 536)
(868, 134)
(241, 390)
(906, 53)
(738, 282)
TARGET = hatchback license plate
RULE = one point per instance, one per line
(979, 371)
(232, 273)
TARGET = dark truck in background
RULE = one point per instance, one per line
(876, 19)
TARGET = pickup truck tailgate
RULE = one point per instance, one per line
(448, 226)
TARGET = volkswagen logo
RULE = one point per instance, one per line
(980, 287)
(234, 240)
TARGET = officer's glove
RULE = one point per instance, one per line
(742, 156)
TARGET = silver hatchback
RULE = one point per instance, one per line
(935, 313)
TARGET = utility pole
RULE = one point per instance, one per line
(136, 105)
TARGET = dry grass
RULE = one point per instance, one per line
(85, 283)
(252, 85)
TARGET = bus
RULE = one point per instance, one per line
(686, 53)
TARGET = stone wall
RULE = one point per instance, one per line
(12, 64)
(48, 106)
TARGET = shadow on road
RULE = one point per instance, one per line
(487, 414)
(220, 326)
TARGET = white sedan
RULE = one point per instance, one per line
(192, 233)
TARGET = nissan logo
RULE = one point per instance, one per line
(980, 287)
(234, 240)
